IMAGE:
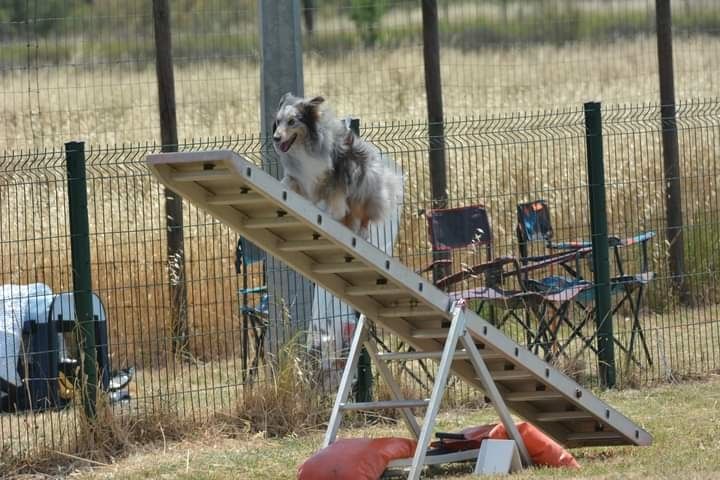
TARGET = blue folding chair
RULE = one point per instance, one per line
(534, 225)
(501, 283)
(255, 316)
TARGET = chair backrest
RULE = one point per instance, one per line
(452, 228)
(247, 253)
(533, 224)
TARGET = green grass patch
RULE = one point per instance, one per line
(683, 418)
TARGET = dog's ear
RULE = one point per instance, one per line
(285, 99)
(315, 101)
(310, 107)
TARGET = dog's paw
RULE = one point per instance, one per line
(337, 207)
(292, 184)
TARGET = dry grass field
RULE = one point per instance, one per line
(117, 104)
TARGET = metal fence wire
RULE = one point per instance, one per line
(497, 161)
(85, 69)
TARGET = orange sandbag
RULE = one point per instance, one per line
(542, 449)
(355, 459)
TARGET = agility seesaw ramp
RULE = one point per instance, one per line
(257, 206)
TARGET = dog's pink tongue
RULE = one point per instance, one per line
(285, 146)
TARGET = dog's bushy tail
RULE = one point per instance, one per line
(393, 186)
(386, 185)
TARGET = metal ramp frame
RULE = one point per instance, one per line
(256, 205)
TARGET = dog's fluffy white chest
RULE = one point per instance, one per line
(307, 169)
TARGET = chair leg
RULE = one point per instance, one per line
(637, 328)
(560, 317)
(548, 327)
(541, 338)
(346, 380)
(576, 331)
(259, 334)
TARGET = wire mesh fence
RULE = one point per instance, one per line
(498, 162)
(85, 69)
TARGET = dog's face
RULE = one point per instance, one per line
(295, 122)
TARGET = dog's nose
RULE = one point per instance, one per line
(276, 138)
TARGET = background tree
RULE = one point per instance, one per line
(366, 15)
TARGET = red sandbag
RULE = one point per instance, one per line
(542, 449)
(355, 459)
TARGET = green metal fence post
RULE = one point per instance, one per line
(599, 231)
(82, 281)
(363, 388)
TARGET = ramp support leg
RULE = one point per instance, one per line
(346, 380)
(457, 328)
(494, 395)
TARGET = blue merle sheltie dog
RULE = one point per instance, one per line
(327, 163)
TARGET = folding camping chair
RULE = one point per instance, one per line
(455, 230)
(255, 317)
(463, 236)
(534, 225)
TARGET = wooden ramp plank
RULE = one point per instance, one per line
(306, 239)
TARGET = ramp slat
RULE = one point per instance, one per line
(407, 312)
(563, 416)
(374, 290)
(346, 267)
(384, 405)
(236, 199)
(511, 375)
(429, 333)
(276, 222)
(202, 175)
(409, 356)
(316, 243)
(307, 246)
(532, 396)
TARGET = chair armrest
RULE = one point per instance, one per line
(252, 290)
(579, 244)
(572, 245)
(559, 258)
(639, 238)
(433, 264)
(467, 272)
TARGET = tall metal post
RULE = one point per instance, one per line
(436, 129)
(173, 202)
(364, 384)
(281, 72)
(599, 235)
(81, 273)
(671, 162)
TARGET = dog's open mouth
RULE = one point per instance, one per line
(285, 146)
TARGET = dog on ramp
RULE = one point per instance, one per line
(327, 163)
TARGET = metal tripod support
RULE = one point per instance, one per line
(457, 336)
